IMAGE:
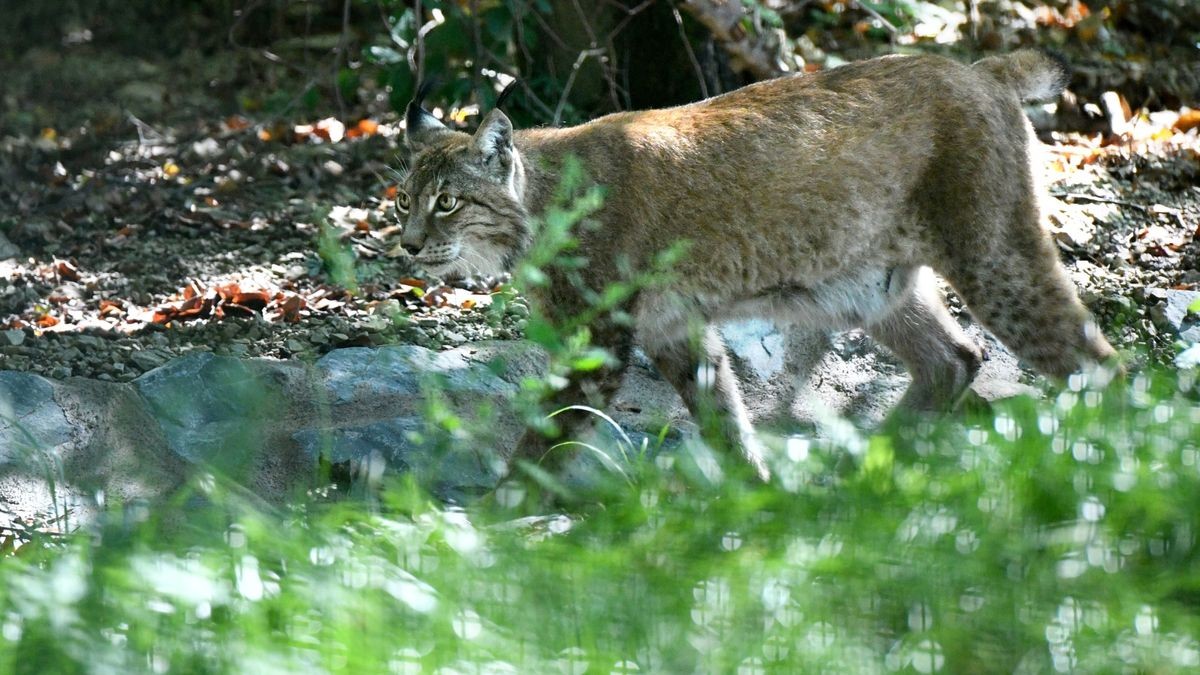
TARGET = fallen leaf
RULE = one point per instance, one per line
(289, 307)
(111, 308)
(67, 270)
(235, 123)
(330, 129)
(1188, 120)
(365, 127)
(253, 299)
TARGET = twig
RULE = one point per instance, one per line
(241, 19)
(1080, 197)
(878, 17)
(531, 95)
(630, 13)
(562, 99)
(687, 46)
(477, 44)
(605, 66)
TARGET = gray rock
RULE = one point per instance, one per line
(1189, 358)
(31, 421)
(147, 359)
(33, 433)
(116, 445)
(218, 410)
(1177, 314)
(67, 447)
(759, 344)
(446, 417)
(384, 405)
(8, 249)
(236, 417)
(15, 337)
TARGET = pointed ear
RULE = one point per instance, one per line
(493, 141)
(420, 127)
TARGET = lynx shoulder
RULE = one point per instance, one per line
(820, 199)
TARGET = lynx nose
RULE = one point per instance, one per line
(412, 241)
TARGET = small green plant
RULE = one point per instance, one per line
(336, 254)
(554, 255)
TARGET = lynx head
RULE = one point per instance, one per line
(460, 201)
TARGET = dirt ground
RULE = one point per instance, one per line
(142, 216)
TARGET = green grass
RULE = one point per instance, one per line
(1046, 535)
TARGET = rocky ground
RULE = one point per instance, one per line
(124, 243)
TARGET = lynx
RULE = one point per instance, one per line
(820, 200)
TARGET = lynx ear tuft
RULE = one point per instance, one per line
(493, 140)
(421, 127)
(505, 94)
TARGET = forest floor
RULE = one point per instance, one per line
(140, 219)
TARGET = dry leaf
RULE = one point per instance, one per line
(235, 123)
(1188, 120)
(111, 308)
(67, 270)
(365, 127)
(330, 129)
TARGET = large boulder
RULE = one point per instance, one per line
(68, 447)
(446, 417)
(269, 423)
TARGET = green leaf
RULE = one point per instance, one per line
(878, 464)
(593, 359)
(542, 332)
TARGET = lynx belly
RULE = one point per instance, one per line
(838, 303)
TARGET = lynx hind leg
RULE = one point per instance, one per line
(1015, 285)
(703, 375)
(918, 329)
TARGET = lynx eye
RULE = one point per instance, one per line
(403, 201)
(446, 203)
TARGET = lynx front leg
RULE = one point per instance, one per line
(941, 359)
(703, 376)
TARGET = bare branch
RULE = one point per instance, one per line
(687, 45)
(878, 17)
(562, 100)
